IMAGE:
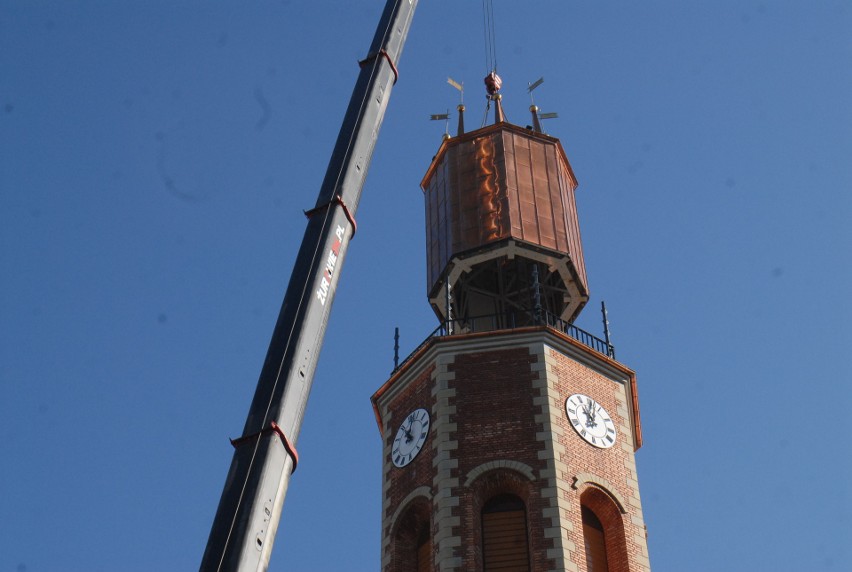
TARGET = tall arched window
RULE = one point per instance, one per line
(411, 547)
(603, 531)
(595, 541)
(505, 545)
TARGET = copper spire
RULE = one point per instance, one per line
(536, 122)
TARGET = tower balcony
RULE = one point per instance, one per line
(508, 322)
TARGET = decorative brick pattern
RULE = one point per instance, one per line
(560, 529)
(499, 426)
(445, 479)
(516, 466)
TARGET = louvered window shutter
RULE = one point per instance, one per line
(504, 535)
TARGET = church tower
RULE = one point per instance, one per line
(509, 434)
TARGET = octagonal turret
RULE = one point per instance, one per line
(499, 203)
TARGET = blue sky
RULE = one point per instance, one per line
(155, 159)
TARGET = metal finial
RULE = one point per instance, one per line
(536, 122)
(609, 349)
(499, 116)
(395, 348)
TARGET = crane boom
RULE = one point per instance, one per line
(249, 511)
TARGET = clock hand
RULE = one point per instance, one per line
(590, 417)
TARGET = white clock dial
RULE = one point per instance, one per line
(410, 437)
(590, 420)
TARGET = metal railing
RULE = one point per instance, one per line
(511, 321)
(581, 336)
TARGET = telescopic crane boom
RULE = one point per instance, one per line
(249, 510)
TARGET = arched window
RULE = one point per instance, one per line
(604, 534)
(411, 547)
(595, 541)
(505, 545)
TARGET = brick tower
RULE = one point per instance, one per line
(509, 434)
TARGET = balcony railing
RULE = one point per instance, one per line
(496, 322)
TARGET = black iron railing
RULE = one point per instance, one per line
(495, 322)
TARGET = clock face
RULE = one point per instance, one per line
(410, 437)
(590, 420)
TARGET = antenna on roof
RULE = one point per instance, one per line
(460, 87)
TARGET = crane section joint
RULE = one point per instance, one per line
(273, 428)
(339, 201)
(381, 53)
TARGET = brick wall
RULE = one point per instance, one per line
(496, 421)
(399, 483)
(586, 467)
(498, 425)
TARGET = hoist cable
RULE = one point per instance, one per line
(490, 36)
